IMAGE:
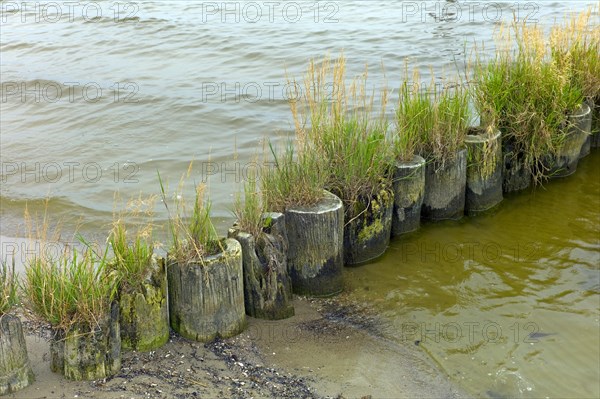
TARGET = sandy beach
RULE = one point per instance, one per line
(327, 350)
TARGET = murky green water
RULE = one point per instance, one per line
(508, 304)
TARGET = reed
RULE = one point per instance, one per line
(249, 211)
(413, 116)
(575, 47)
(193, 234)
(297, 178)
(8, 287)
(340, 122)
(527, 94)
(132, 247)
(70, 289)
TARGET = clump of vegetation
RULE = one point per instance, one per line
(249, 211)
(71, 289)
(575, 47)
(527, 94)
(540, 106)
(297, 178)
(449, 124)
(491, 91)
(8, 287)
(340, 124)
(413, 117)
(133, 249)
(192, 232)
(482, 159)
(431, 121)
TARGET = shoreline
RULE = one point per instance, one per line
(324, 351)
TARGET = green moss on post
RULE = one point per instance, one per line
(367, 236)
(144, 318)
(15, 371)
(81, 354)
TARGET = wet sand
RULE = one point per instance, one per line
(325, 350)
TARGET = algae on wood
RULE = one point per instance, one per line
(15, 370)
(367, 235)
(267, 285)
(144, 319)
(84, 354)
(206, 298)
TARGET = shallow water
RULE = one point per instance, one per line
(507, 303)
(99, 97)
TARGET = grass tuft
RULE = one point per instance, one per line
(431, 121)
(132, 248)
(527, 90)
(575, 47)
(339, 123)
(73, 290)
(193, 234)
(8, 287)
(249, 211)
(297, 178)
(413, 117)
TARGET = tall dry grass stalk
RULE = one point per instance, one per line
(338, 121)
(527, 93)
(575, 47)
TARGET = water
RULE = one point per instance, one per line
(107, 95)
(96, 98)
(508, 304)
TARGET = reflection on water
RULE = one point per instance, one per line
(508, 303)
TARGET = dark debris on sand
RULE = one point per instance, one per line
(185, 369)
